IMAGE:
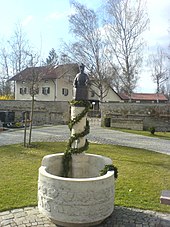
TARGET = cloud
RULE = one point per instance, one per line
(72, 11)
(27, 20)
(158, 9)
(55, 16)
(157, 35)
(158, 12)
(58, 15)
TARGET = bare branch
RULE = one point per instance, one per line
(158, 67)
(89, 47)
(124, 27)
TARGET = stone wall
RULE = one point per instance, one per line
(152, 115)
(45, 112)
(134, 124)
(94, 121)
(129, 115)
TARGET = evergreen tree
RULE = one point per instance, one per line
(52, 58)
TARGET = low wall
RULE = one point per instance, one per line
(52, 112)
(149, 114)
(45, 112)
(134, 124)
(94, 121)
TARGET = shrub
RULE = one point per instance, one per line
(152, 130)
(6, 97)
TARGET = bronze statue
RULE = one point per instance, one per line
(80, 85)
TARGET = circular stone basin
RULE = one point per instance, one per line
(84, 199)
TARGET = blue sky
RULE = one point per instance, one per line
(46, 24)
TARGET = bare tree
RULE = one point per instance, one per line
(114, 71)
(20, 48)
(165, 89)
(32, 79)
(89, 47)
(5, 86)
(33, 86)
(166, 86)
(157, 63)
(35, 74)
(14, 57)
(64, 59)
(127, 20)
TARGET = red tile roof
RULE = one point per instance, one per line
(144, 97)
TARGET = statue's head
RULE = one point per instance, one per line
(82, 67)
(80, 85)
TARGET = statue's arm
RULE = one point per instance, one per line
(87, 81)
(75, 83)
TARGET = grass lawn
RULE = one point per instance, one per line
(142, 174)
(161, 135)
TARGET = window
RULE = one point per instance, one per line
(65, 91)
(45, 90)
(23, 90)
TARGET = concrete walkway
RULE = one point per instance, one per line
(107, 136)
(97, 134)
(121, 217)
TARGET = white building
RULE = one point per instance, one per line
(53, 84)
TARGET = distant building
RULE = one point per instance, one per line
(53, 84)
(144, 97)
(56, 84)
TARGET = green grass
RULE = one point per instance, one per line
(142, 174)
(161, 135)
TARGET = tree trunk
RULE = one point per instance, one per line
(25, 129)
(31, 119)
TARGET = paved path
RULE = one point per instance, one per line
(121, 217)
(97, 134)
(131, 140)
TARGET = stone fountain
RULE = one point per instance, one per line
(71, 191)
